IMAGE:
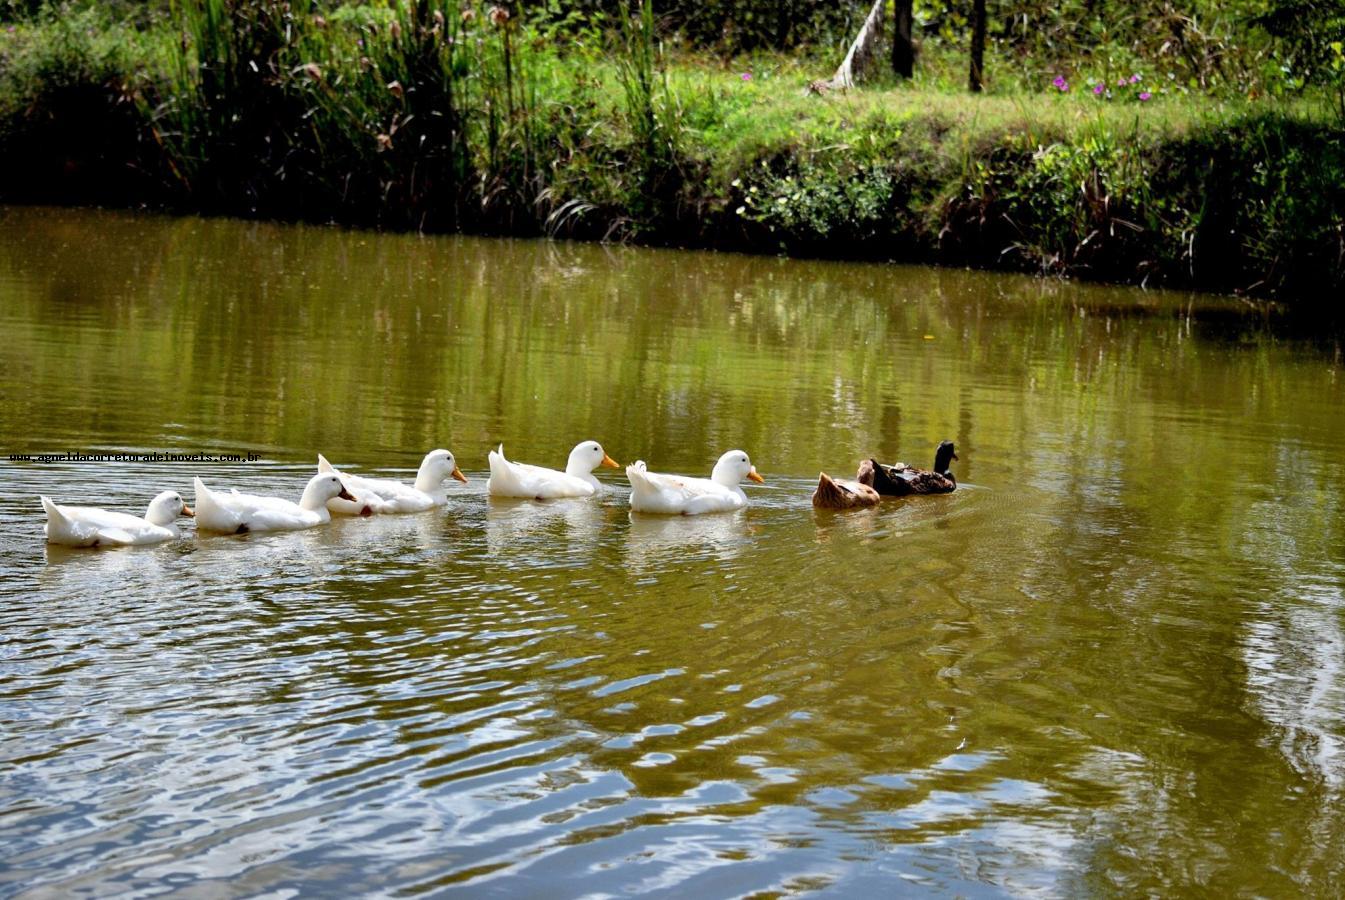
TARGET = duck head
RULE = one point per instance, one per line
(166, 507)
(322, 487)
(943, 457)
(733, 467)
(586, 457)
(437, 467)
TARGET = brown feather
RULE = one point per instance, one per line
(901, 480)
(833, 494)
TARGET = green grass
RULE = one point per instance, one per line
(421, 117)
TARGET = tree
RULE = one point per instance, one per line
(903, 49)
(977, 46)
(860, 54)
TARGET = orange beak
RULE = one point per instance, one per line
(188, 511)
(345, 494)
(457, 473)
(610, 463)
(752, 474)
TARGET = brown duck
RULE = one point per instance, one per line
(902, 480)
(833, 494)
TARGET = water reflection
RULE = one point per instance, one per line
(532, 532)
(1109, 663)
(652, 540)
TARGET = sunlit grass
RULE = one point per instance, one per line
(425, 117)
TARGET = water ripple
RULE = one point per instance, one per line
(1108, 663)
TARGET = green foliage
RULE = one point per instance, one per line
(429, 114)
(1261, 205)
(412, 113)
(820, 201)
(64, 48)
(1076, 203)
(66, 79)
(744, 25)
(733, 26)
(1208, 45)
(1312, 33)
(1308, 29)
(652, 113)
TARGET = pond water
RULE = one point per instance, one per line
(1111, 662)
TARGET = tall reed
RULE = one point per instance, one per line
(653, 115)
(422, 115)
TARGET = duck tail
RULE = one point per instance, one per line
(323, 465)
(61, 529)
(829, 494)
(54, 514)
(206, 508)
(501, 480)
(637, 473)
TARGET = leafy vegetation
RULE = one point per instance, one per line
(1186, 150)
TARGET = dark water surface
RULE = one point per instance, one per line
(1111, 663)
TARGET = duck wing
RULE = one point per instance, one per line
(237, 513)
(834, 494)
(888, 481)
(366, 502)
(90, 526)
(678, 494)
(272, 513)
(511, 479)
(922, 482)
(386, 495)
(123, 528)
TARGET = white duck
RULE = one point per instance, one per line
(384, 495)
(511, 479)
(89, 526)
(678, 495)
(235, 513)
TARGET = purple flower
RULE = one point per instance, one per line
(1135, 79)
(1099, 88)
(1060, 83)
(1145, 95)
(747, 76)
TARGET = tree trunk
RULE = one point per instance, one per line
(977, 47)
(903, 50)
(860, 54)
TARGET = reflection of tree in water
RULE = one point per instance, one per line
(1115, 652)
(688, 353)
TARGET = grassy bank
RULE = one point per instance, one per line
(442, 117)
